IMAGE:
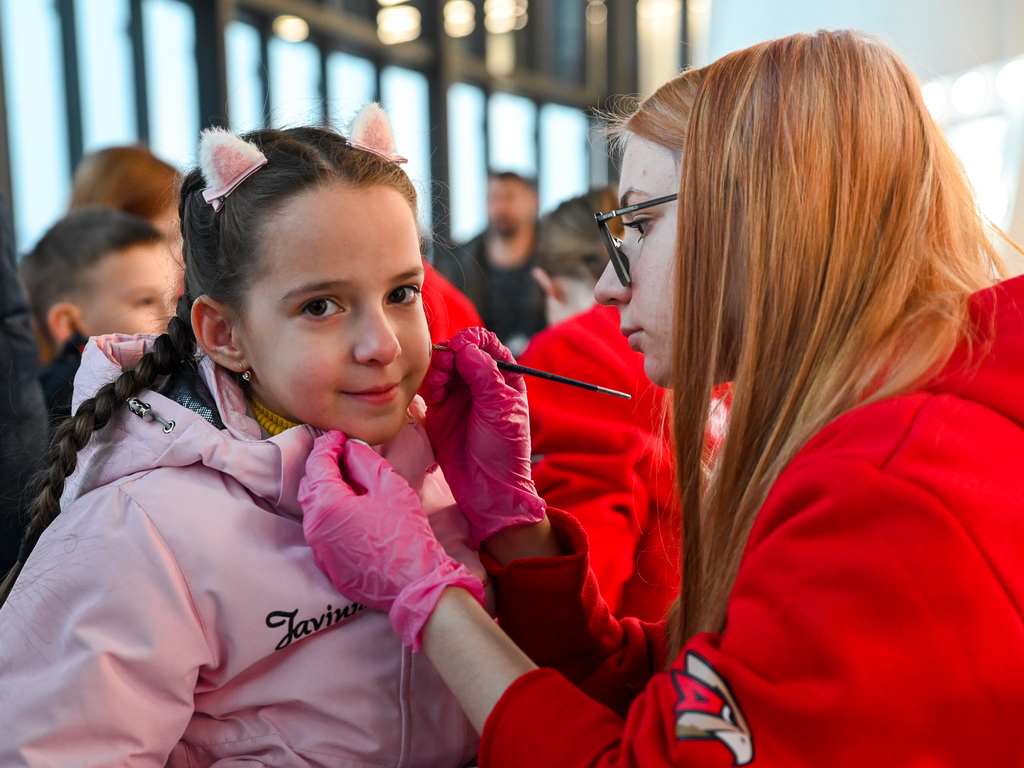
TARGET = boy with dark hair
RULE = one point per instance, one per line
(96, 271)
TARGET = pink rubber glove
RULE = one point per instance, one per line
(370, 535)
(479, 425)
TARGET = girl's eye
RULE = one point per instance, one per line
(319, 307)
(404, 295)
(640, 225)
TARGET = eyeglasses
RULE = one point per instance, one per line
(619, 260)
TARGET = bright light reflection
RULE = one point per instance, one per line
(459, 18)
(934, 98)
(291, 28)
(969, 93)
(398, 24)
(1010, 82)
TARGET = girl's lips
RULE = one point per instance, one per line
(633, 338)
(376, 395)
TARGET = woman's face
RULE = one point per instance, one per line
(647, 307)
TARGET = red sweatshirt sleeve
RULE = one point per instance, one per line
(866, 627)
(553, 609)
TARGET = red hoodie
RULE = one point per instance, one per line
(876, 619)
(605, 459)
(447, 309)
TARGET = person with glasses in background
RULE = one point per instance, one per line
(852, 572)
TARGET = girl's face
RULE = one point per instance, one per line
(647, 307)
(333, 329)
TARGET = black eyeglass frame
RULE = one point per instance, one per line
(619, 260)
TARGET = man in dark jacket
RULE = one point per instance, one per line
(495, 269)
(22, 413)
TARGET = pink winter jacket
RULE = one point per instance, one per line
(172, 613)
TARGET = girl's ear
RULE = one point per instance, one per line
(213, 326)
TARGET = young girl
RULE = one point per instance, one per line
(170, 611)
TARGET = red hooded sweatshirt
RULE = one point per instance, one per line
(876, 619)
(605, 459)
(448, 310)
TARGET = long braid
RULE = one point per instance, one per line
(169, 352)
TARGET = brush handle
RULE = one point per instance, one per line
(516, 368)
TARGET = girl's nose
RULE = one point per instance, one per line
(376, 343)
(609, 291)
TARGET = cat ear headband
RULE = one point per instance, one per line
(227, 160)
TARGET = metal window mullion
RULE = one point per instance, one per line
(265, 33)
(211, 67)
(5, 151)
(72, 87)
(139, 68)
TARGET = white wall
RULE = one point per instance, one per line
(934, 36)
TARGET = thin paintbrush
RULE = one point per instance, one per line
(515, 368)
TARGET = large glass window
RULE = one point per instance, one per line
(405, 96)
(172, 84)
(105, 73)
(564, 154)
(512, 134)
(36, 116)
(351, 82)
(467, 161)
(294, 83)
(245, 87)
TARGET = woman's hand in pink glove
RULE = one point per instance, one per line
(479, 425)
(370, 535)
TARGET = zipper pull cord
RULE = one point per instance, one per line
(147, 413)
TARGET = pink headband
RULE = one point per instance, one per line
(227, 160)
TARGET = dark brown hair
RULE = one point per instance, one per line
(569, 243)
(222, 259)
(57, 268)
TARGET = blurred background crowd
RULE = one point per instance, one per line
(498, 106)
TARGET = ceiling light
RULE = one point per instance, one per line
(656, 9)
(500, 15)
(459, 18)
(291, 28)
(398, 24)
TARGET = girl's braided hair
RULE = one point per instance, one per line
(222, 259)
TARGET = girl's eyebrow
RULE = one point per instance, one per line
(329, 285)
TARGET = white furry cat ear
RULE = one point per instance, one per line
(226, 161)
(371, 132)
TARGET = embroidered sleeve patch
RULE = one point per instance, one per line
(707, 709)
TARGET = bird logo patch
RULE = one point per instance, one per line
(707, 709)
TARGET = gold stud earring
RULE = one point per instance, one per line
(247, 375)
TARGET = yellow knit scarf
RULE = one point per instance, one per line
(269, 420)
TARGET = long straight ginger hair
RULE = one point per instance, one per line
(828, 243)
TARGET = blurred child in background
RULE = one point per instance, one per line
(96, 271)
(603, 459)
